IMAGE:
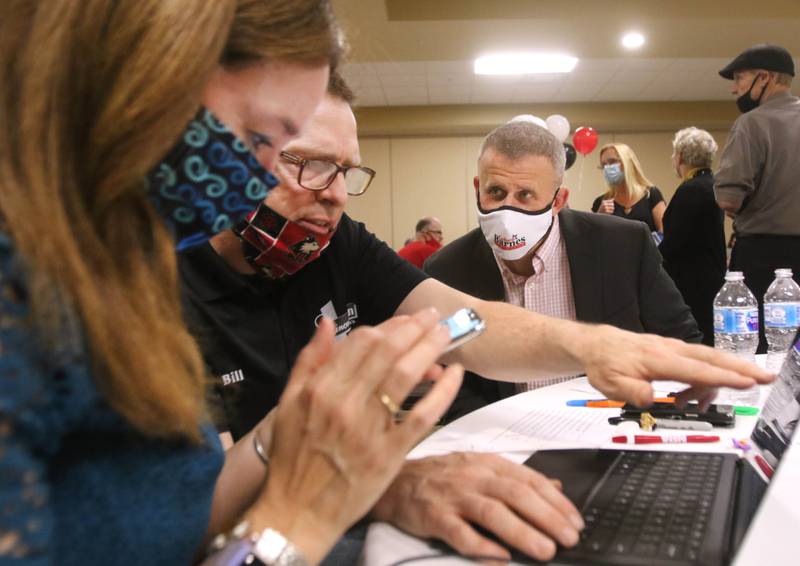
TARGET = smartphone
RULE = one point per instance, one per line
(717, 415)
(464, 325)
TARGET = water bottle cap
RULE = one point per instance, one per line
(734, 276)
(783, 272)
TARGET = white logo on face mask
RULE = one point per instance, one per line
(512, 232)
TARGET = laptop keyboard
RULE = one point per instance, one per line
(653, 504)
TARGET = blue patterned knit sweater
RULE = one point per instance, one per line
(78, 486)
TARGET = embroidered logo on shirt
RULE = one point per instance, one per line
(232, 377)
(344, 323)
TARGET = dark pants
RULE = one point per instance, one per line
(758, 256)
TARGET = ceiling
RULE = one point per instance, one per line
(420, 52)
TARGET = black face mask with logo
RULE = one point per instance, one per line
(745, 103)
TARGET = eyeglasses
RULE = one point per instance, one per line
(318, 174)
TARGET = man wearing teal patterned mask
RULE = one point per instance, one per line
(532, 251)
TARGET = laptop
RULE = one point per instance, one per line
(673, 508)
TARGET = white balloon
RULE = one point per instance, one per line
(558, 126)
(529, 118)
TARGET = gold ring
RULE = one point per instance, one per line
(391, 406)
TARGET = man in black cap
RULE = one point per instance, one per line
(758, 182)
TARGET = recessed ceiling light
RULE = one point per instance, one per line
(632, 40)
(524, 63)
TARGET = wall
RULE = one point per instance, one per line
(432, 175)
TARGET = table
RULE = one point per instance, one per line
(517, 426)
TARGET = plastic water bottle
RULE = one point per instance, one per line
(781, 313)
(736, 329)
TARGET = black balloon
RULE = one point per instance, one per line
(571, 154)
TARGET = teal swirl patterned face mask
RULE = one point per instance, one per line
(207, 182)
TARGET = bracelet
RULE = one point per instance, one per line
(260, 452)
(269, 548)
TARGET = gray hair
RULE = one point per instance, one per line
(518, 139)
(784, 79)
(695, 147)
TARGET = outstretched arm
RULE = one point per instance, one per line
(520, 345)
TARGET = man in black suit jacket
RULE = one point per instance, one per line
(615, 269)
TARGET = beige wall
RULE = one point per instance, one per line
(432, 175)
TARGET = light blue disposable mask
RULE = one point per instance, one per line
(613, 173)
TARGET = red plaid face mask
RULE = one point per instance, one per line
(276, 247)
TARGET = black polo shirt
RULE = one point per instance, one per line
(251, 330)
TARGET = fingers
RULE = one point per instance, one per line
(460, 535)
(428, 410)
(458, 496)
(316, 353)
(706, 400)
(398, 363)
(704, 396)
(726, 361)
(701, 373)
(433, 372)
(535, 498)
(624, 388)
(646, 358)
(494, 515)
(520, 506)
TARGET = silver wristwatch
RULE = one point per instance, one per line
(241, 547)
(273, 549)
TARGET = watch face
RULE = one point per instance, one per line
(272, 549)
(270, 546)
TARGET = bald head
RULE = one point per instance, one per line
(429, 228)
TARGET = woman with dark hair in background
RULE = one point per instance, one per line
(694, 238)
(107, 454)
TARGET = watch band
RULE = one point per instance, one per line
(273, 549)
(268, 548)
(235, 552)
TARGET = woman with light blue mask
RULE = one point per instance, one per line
(630, 194)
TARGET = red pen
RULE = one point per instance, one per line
(764, 465)
(664, 439)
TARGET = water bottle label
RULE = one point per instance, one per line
(781, 315)
(736, 320)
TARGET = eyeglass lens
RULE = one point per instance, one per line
(318, 174)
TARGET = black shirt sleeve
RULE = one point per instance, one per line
(679, 222)
(655, 197)
(383, 279)
(596, 203)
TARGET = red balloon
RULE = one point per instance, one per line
(585, 140)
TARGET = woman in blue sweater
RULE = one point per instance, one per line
(107, 454)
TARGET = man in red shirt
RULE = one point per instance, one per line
(428, 239)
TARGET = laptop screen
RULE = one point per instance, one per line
(776, 425)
